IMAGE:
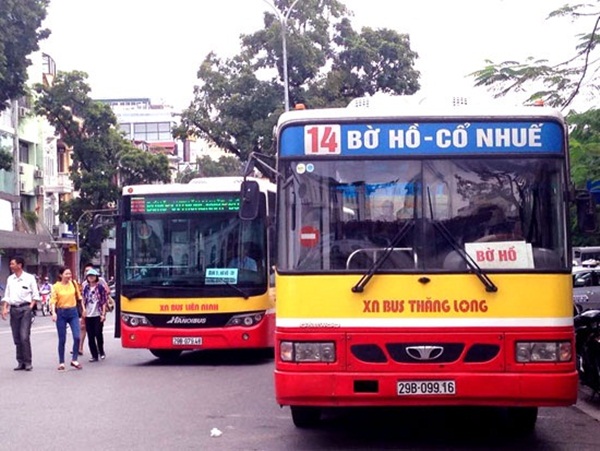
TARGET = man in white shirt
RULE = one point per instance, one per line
(20, 295)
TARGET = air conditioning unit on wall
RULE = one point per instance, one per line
(39, 190)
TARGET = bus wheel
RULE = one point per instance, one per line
(305, 417)
(166, 354)
(521, 420)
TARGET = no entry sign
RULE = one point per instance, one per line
(309, 236)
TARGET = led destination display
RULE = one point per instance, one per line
(183, 204)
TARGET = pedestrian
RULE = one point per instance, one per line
(82, 324)
(63, 304)
(95, 299)
(21, 294)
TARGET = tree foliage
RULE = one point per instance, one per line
(584, 143)
(205, 166)
(238, 100)
(558, 83)
(20, 22)
(584, 151)
(101, 156)
(6, 159)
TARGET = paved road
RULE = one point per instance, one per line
(131, 401)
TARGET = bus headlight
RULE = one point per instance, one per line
(290, 351)
(135, 320)
(543, 351)
(245, 320)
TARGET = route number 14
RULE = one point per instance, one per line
(322, 140)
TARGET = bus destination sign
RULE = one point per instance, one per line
(187, 204)
(426, 138)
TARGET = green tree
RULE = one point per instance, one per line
(584, 144)
(584, 141)
(20, 22)
(558, 83)
(207, 167)
(238, 100)
(138, 167)
(6, 158)
(101, 156)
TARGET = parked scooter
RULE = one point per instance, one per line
(587, 343)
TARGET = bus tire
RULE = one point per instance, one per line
(166, 354)
(305, 417)
(521, 420)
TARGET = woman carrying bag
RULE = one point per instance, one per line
(65, 302)
(95, 300)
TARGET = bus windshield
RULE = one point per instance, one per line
(192, 241)
(344, 215)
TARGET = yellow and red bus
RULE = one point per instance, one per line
(192, 274)
(423, 260)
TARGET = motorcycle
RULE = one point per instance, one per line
(45, 303)
(587, 345)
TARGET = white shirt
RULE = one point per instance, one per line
(21, 289)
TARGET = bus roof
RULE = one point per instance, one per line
(408, 108)
(198, 185)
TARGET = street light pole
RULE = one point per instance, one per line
(78, 253)
(283, 22)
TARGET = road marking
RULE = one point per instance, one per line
(46, 329)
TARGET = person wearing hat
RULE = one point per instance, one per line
(86, 268)
(45, 291)
(95, 298)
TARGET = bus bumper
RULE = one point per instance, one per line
(359, 389)
(260, 336)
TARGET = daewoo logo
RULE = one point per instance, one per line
(180, 320)
(425, 352)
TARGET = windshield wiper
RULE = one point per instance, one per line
(238, 290)
(490, 287)
(364, 280)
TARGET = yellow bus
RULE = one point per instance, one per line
(423, 260)
(191, 273)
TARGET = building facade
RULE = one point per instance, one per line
(149, 126)
(30, 190)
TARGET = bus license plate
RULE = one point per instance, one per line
(187, 341)
(407, 388)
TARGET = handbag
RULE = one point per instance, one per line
(110, 304)
(77, 300)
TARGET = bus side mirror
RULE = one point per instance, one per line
(587, 221)
(249, 200)
(249, 168)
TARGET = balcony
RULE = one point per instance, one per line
(60, 184)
